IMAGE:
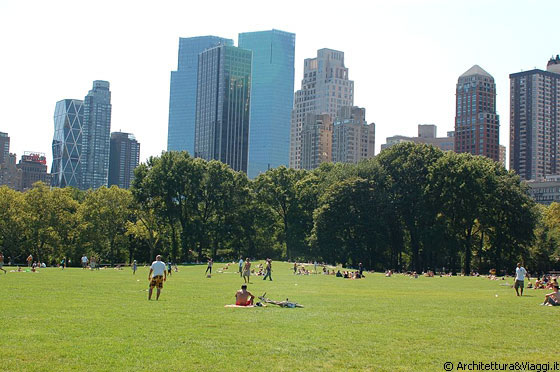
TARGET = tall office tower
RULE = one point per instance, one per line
(223, 106)
(67, 143)
(272, 98)
(4, 147)
(476, 122)
(95, 136)
(123, 159)
(34, 169)
(316, 139)
(353, 138)
(182, 95)
(325, 88)
(535, 122)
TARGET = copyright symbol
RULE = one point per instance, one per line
(448, 366)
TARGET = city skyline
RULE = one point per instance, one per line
(410, 45)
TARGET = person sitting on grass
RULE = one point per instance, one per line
(243, 297)
(552, 299)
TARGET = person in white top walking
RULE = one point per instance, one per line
(159, 276)
(520, 273)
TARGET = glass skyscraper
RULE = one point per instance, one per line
(95, 138)
(67, 143)
(223, 105)
(182, 96)
(272, 98)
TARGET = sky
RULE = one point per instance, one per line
(404, 56)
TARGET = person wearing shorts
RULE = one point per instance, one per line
(159, 276)
(243, 297)
(520, 273)
(240, 267)
(247, 271)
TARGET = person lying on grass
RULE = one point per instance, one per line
(243, 297)
(552, 299)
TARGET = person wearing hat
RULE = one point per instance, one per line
(159, 276)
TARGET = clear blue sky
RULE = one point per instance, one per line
(405, 56)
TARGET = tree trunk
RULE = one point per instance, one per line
(468, 252)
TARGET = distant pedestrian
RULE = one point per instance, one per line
(520, 273)
(247, 271)
(168, 268)
(134, 267)
(159, 276)
(315, 266)
(361, 269)
(63, 263)
(268, 269)
(209, 267)
(84, 261)
(29, 260)
(241, 267)
(295, 268)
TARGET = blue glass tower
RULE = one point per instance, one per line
(182, 96)
(272, 98)
(95, 136)
(67, 143)
(222, 106)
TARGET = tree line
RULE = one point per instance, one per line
(412, 207)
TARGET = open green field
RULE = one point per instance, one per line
(82, 320)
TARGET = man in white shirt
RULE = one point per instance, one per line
(84, 261)
(159, 276)
(520, 273)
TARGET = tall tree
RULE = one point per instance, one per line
(408, 167)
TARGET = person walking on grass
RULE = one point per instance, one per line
(159, 276)
(209, 267)
(520, 273)
(29, 260)
(134, 267)
(268, 269)
(247, 271)
(2, 263)
(240, 267)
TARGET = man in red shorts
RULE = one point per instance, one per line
(159, 276)
(243, 297)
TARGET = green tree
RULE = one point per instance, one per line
(12, 224)
(105, 213)
(408, 167)
(276, 188)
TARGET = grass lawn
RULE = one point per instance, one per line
(81, 320)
